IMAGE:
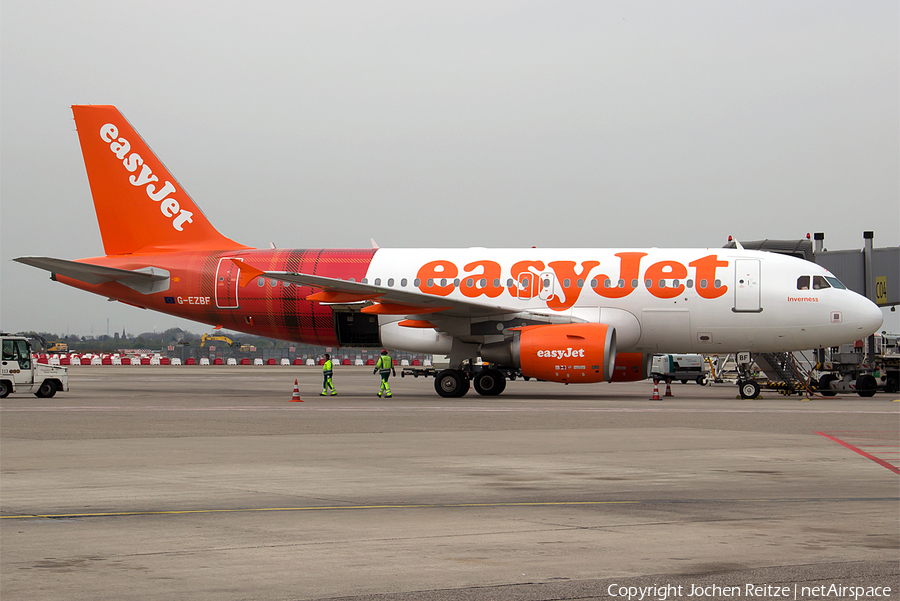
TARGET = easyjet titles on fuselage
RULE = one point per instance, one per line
(168, 205)
(667, 279)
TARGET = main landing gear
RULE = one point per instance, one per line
(452, 383)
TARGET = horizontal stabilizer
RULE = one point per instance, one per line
(146, 280)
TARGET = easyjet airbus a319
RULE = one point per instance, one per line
(570, 315)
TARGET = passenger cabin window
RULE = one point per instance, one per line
(819, 283)
(803, 282)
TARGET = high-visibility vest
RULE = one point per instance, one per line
(327, 367)
(385, 363)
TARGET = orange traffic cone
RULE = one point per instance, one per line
(655, 396)
(668, 389)
(295, 398)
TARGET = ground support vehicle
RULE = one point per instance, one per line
(21, 373)
(686, 368)
(850, 372)
(891, 373)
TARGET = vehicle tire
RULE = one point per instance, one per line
(749, 389)
(489, 382)
(46, 390)
(824, 385)
(866, 385)
(451, 383)
(891, 385)
(5, 389)
(701, 381)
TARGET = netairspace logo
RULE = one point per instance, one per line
(750, 591)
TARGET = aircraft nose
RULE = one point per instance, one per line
(868, 317)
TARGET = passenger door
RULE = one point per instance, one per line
(746, 286)
(227, 277)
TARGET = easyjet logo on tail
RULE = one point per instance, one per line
(168, 206)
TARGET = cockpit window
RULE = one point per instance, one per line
(803, 282)
(835, 282)
(819, 283)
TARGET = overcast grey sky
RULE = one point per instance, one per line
(322, 124)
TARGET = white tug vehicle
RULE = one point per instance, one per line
(20, 372)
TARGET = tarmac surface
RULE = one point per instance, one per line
(206, 483)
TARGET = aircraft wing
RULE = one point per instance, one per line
(381, 300)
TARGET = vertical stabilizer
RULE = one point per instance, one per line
(140, 207)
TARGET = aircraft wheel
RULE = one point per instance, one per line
(5, 389)
(451, 383)
(489, 382)
(824, 385)
(866, 385)
(749, 389)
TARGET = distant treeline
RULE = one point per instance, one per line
(147, 340)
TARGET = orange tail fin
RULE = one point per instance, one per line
(141, 208)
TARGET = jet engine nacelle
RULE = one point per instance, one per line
(569, 353)
(632, 367)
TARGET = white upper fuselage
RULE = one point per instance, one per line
(659, 300)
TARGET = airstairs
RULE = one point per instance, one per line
(786, 372)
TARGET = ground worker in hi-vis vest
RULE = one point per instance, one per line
(385, 366)
(327, 372)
